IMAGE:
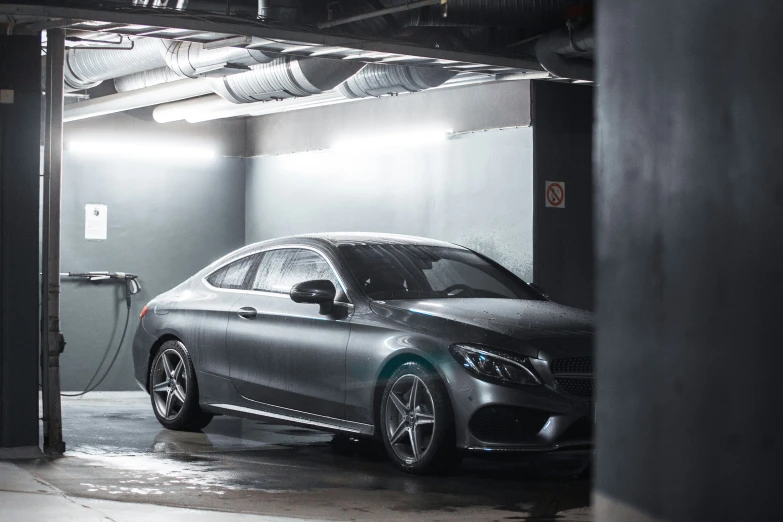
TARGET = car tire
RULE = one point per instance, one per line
(174, 390)
(423, 417)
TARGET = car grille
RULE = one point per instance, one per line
(574, 375)
(573, 365)
(507, 424)
(580, 387)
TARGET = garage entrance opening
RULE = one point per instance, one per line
(291, 265)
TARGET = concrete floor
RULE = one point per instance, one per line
(122, 465)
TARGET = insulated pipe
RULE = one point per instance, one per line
(190, 59)
(144, 79)
(209, 108)
(86, 68)
(285, 77)
(377, 80)
(124, 101)
(180, 110)
(214, 107)
(560, 53)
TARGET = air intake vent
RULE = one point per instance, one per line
(507, 424)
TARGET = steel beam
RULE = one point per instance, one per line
(51, 337)
(259, 29)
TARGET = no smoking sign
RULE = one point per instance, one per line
(555, 194)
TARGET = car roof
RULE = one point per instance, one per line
(332, 238)
(352, 238)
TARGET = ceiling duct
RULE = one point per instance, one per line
(377, 80)
(152, 61)
(285, 78)
(86, 68)
(191, 60)
(568, 52)
(141, 80)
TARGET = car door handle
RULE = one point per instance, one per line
(248, 312)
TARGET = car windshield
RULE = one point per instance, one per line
(402, 271)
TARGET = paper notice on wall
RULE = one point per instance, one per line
(95, 221)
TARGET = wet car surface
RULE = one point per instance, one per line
(429, 346)
(118, 451)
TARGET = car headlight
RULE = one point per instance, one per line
(487, 363)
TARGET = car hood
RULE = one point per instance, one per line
(515, 318)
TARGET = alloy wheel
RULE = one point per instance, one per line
(169, 384)
(410, 418)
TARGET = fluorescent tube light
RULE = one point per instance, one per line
(132, 149)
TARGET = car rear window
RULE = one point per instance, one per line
(233, 275)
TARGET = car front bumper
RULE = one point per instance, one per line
(565, 420)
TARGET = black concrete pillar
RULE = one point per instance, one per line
(689, 248)
(20, 132)
(563, 153)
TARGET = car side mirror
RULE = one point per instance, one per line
(538, 288)
(317, 291)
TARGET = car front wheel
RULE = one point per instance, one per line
(417, 423)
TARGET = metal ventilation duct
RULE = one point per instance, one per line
(568, 53)
(140, 80)
(86, 68)
(191, 60)
(285, 78)
(377, 80)
(147, 61)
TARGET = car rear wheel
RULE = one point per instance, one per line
(417, 422)
(174, 391)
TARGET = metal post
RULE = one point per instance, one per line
(20, 169)
(51, 337)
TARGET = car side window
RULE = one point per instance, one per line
(281, 269)
(233, 275)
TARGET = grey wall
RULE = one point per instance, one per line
(462, 109)
(166, 221)
(475, 190)
(563, 151)
(689, 249)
